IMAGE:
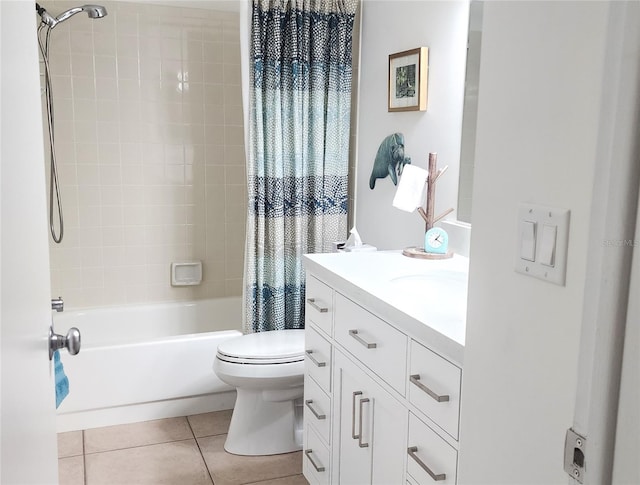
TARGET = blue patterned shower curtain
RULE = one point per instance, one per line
(300, 103)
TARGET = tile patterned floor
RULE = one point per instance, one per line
(180, 451)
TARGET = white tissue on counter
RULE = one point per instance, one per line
(354, 243)
(411, 189)
(354, 238)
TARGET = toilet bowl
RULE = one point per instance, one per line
(267, 370)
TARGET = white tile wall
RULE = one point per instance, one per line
(149, 141)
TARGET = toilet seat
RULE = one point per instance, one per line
(264, 348)
(248, 360)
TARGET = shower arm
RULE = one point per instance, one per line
(68, 14)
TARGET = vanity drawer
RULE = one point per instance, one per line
(317, 358)
(377, 344)
(434, 387)
(317, 409)
(315, 459)
(429, 456)
(319, 304)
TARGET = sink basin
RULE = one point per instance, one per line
(439, 293)
(425, 284)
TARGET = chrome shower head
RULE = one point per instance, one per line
(93, 12)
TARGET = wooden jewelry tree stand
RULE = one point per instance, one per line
(428, 212)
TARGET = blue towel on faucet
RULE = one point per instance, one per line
(62, 382)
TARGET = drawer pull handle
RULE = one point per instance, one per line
(308, 403)
(313, 359)
(353, 416)
(412, 453)
(360, 443)
(354, 334)
(415, 379)
(308, 455)
(321, 309)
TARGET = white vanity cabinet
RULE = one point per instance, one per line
(382, 388)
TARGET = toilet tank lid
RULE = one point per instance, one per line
(275, 344)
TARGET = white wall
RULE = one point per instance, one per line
(540, 90)
(389, 27)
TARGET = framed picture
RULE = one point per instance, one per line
(408, 80)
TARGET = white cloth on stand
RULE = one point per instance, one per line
(411, 191)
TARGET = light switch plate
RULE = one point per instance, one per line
(541, 216)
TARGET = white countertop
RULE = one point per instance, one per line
(427, 299)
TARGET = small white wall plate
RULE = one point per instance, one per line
(550, 217)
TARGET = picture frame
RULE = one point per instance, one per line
(408, 77)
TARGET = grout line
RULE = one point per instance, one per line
(193, 434)
(191, 427)
(200, 450)
(84, 461)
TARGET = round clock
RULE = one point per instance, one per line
(436, 240)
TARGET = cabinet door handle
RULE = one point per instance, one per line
(315, 306)
(308, 455)
(308, 403)
(313, 359)
(360, 443)
(353, 415)
(415, 379)
(412, 453)
(354, 334)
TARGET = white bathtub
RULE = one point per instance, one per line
(146, 362)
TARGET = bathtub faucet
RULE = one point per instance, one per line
(57, 304)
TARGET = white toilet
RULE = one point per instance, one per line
(267, 370)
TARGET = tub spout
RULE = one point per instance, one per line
(57, 304)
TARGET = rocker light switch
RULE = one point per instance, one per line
(528, 238)
(548, 245)
(543, 240)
